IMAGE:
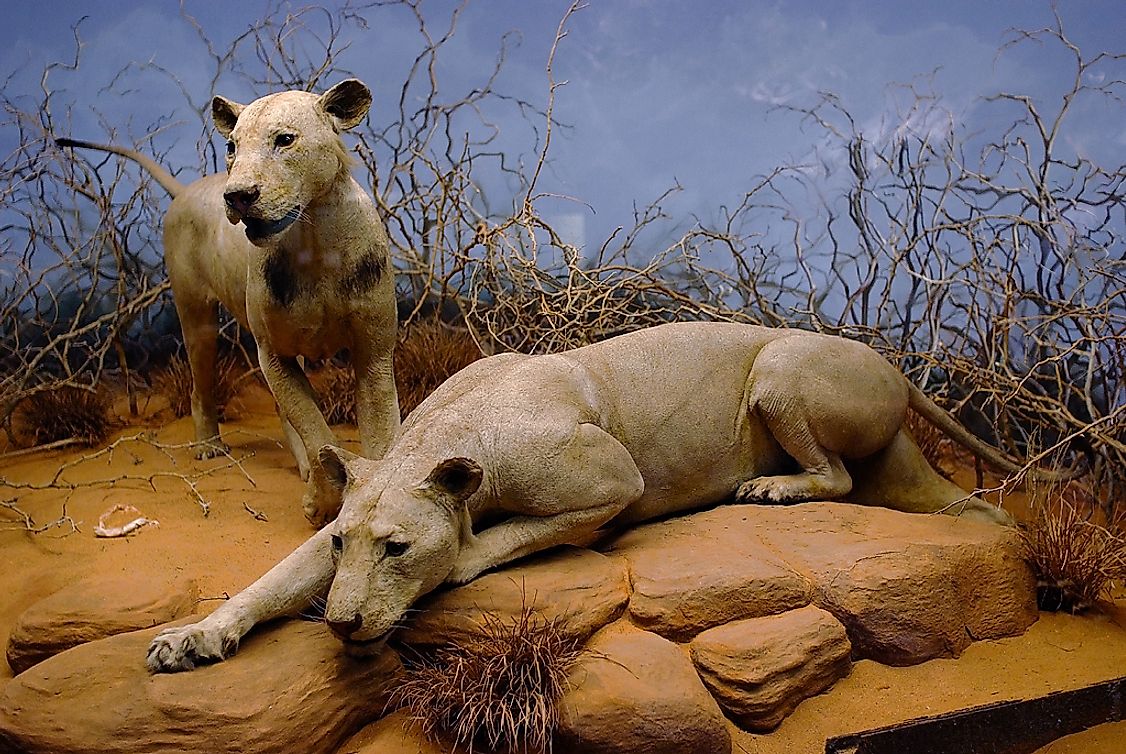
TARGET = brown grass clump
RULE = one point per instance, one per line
(1076, 561)
(932, 441)
(66, 412)
(428, 355)
(174, 382)
(496, 692)
(336, 393)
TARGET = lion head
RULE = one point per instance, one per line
(397, 537)
(284, 152)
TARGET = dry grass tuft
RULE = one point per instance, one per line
(428, 355)
(174, 382)
(66, 412)
(497, 692)
(932, 441)
(335, 386)
(1075, 560)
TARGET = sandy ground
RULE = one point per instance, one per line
(230, 547)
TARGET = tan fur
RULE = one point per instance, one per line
(305, 265)
(659, 421)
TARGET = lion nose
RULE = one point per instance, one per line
(240, 200)
(345, 628)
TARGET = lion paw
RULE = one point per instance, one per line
(211, 449)
(469, 566)
(765, 489)
(185, 647)
(319, 508)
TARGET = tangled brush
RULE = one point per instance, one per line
(497, 691)
(428, 355)
(335, 386)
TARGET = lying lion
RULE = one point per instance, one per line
(643, 425)
(308, 272)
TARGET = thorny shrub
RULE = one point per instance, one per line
(497, 691)
(1076, 561)
(67, 412)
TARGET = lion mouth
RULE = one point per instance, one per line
(258, 230)
(365, 647)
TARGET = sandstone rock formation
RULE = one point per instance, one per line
(766, 600)
(292, 689)
(760, 669)
(92, 610)
(579, 589)
(393, 734)
(684, 583)
(908, 588)
(636, 692)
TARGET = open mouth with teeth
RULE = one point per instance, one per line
(259, 230)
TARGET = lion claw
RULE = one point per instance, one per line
(211, 449)
(185, 647)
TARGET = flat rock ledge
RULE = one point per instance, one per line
(730, 616)
(94, 609)
(292, 689)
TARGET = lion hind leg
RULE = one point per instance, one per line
(200, 323)
(899, 477)
(823, 475)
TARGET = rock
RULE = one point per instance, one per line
(581, 589)
(636, 692)
(290, 688)
(95, 609)
(761, 669)
(393, 734)
(690, 577)
(907, 587)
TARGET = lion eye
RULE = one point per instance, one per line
(284, 140)
(230, 149)
(337, 544)
(395, 549)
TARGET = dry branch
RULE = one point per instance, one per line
(989, 267)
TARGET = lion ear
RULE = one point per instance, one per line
(347, 102)
(225, 112)
(456, 478)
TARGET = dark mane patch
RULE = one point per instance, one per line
(364, 275)
(280, 280)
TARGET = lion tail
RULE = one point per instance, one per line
(167, 181)
(940, 418)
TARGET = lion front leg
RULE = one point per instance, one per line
(524, 535)
(377, 401)
(283, 590)
(212, 639)
(297, 404)
(591, 481)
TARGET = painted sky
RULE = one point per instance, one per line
(658, 91)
